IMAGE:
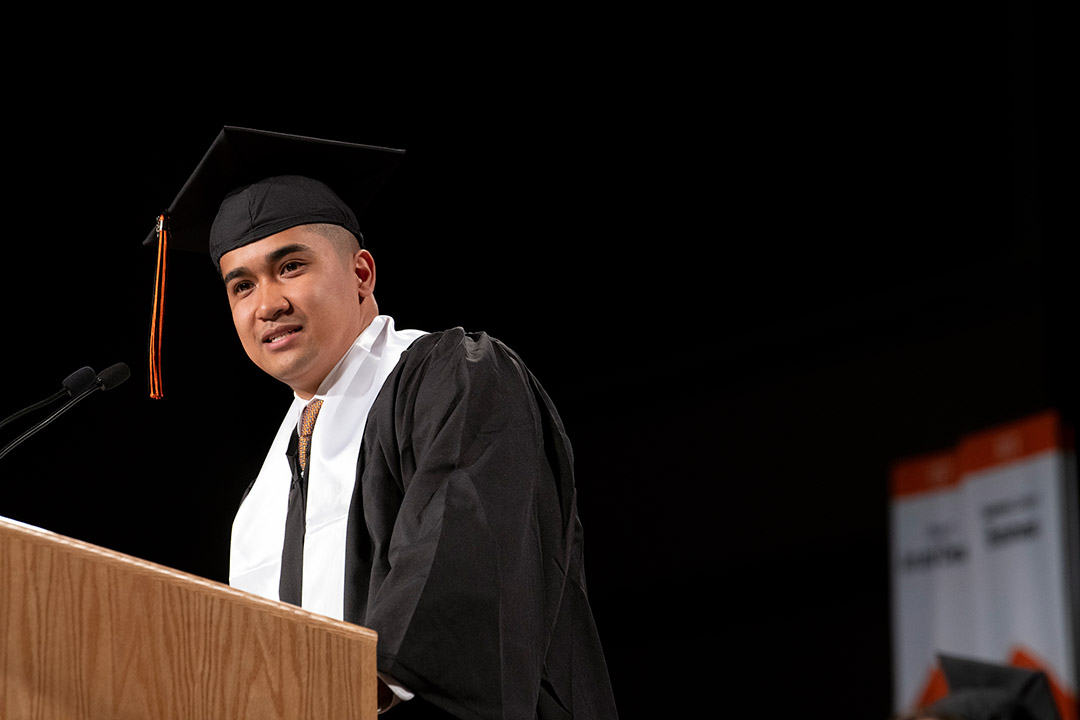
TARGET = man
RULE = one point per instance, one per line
(433, 500)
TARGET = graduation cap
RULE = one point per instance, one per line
(987, 691)
(252, 184)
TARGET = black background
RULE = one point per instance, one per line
(754, 258)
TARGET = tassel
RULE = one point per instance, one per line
(158, 319)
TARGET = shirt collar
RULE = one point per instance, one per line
(360, 348)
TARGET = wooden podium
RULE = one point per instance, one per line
(89, 633)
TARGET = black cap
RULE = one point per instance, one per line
(980, 691)
(252, 184)
(270, 182)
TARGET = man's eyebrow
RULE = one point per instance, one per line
(271, 258)
(284, 250)
(235, 272)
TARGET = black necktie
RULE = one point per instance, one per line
(290, 585)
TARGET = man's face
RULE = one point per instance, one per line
(296, 303)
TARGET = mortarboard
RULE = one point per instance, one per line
(984, 691)
(252, 184)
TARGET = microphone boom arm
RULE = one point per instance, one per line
(33, 430)
(36, 406)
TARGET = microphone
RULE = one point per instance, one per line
(79, 385)
(73, 384)
(113, 375)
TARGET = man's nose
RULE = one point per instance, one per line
(272, 301)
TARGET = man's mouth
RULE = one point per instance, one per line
(279, 336)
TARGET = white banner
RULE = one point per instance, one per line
(984, 557)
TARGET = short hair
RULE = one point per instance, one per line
(344, 241)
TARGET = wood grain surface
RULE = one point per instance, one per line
(93, 634)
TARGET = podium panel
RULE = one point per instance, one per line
(89, 633)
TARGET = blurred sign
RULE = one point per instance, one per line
(984, 558)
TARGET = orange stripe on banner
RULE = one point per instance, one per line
(1011, 442)
(933, 471)
(934, 689)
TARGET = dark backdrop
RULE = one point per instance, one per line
(754, 258)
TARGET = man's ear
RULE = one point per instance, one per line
(364, 267)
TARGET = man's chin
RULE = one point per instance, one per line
(298, 373)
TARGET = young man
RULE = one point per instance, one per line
(420, 484)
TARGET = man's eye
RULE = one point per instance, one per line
(241, 287)
(291, 266)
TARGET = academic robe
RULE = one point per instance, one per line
(464, 547)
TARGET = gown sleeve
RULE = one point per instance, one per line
(468, 509)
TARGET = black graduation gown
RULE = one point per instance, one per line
(464, 545)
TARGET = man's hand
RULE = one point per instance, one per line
(385, 696)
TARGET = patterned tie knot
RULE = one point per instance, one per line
(307, 425)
